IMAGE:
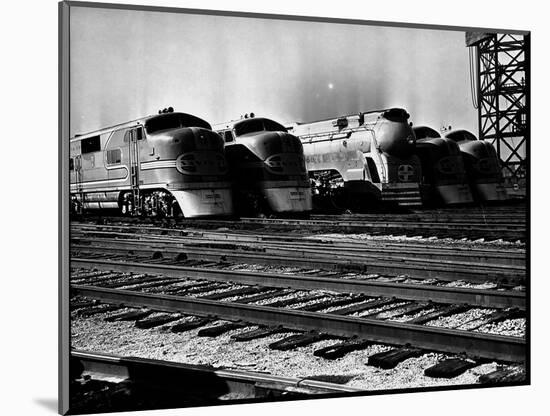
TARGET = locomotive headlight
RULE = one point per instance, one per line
(274, 163)
(186, 163)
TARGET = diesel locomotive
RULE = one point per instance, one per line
(169, 164)
(266, 166)
(359, 159)
(482, 166)
(444, 176)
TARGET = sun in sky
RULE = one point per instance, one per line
(330, 86)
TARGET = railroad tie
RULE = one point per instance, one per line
(409, 309)
(348, 310)
(445, 311)
(449, 368)
(389, 359)
(266, 295)
(154, 321)
(203, 289)
(298, 340)
(153, 284)
(503, 376)
(390, 308)
(189, 325)
(123, 279)
(95, 310)
(186, 288)
(86, 275)
(100, 279)
(235, 292)
(83, 304)
(339, 301)
(132, 315)
(292, 301)
(257, 333)
(214, 331)
(335, 351)
(499, 316)
(131, 282)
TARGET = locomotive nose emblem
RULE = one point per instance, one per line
(405, 172)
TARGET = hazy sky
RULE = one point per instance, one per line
(128, 64)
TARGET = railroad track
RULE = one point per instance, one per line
(105, 382)
(197, 380)
(471, 225)
(443, 216)
(357, 293)
(260, 236)
(309, 281)
(353, 297)
(421, 262)
(471, 230)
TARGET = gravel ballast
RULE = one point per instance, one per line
(122, 338)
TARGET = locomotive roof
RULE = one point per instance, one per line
(351, 121)
(460, 135)
(371, 113)
(426, 131)
(231, 124)
(132, 123)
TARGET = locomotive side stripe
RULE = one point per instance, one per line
(99, 182)
(187, 186)
(158, 164)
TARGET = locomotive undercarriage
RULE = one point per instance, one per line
(331, 192)
(149, 203)
(251, 202)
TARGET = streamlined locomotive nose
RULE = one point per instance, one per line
(396, 138)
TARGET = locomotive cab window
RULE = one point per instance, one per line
(114, 156)
(137, 134)
(227, 136)
(253, 125)
(90, 144)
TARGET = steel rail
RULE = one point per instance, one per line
(437, 294)
(241, 250)
(285, 238)
(482, 220)
(420, 268)
(510, 232)
(246, 235)
(337, 221)
(180, 376)
(475, 344)
(308, 243)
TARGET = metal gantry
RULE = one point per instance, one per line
(502, 77)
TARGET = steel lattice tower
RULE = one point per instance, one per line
(502, 72)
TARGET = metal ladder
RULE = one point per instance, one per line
(134, 172)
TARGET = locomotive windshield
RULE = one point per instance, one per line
(425, 132)
(257, 124)
(172, 121)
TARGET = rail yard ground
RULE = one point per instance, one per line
(360, 302)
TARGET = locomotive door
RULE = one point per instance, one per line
(78, 182)
(134, 136)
